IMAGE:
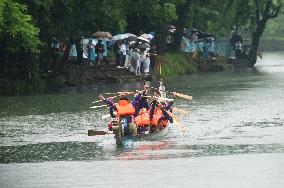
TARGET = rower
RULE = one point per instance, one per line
(159, 117)
(142, 121)
(139, 101)
(124, 110)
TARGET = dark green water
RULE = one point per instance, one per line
(234, 136)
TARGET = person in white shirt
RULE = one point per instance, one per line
(127, 62)
(123, 50)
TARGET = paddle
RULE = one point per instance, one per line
(188, 97)
(102, 100)
(92, 132)
(181, 95)
(97, 101)
(94, 107)
(177, 122)
(182, 128)
(121, 92)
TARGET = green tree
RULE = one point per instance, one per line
(19, 45)
(263, 11)
(148, 15)
(275, 28)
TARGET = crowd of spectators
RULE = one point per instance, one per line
(135, 55)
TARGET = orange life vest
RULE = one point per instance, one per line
(143, 118)
(157, 116)
(124, 107)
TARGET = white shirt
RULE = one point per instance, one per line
(123, 47)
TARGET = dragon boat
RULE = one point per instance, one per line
(120, 128)
(123, 130)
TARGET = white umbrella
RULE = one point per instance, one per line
(123, 36)
(143, 39)
(147, 36)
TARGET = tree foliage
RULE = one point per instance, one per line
(26, 27)
(17, 30)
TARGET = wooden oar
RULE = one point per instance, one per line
(94, 107)
(97, 101)
(113, 97)
(179, 125)
(92, 132)
(121, 92)
(188, 97)
(177, 122)
(110, 93)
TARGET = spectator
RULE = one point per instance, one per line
(143, 54)
(194, 37)
(105, 54)
(85, 51)
(73, 54)
(238, 49)
(134, 61)
(147, 64)
(127, 62)
(99, 51)
(118, 53)
(205, 49)
(91, 53)
(124, 52)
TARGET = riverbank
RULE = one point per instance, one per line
(168, 65)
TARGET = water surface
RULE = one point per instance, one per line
(234, 136)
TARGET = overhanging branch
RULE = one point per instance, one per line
(275, 12)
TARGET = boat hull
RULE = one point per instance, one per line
(123, 140)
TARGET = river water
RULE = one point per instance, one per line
(234, 136)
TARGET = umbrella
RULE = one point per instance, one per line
(132, 38)
(102, 34)
(147, 36)
(144, 45)
(143, 39)
(123, 36)
(169, 28)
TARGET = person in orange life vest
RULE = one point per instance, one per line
(124, 109)
(139, 101)
(142, 121)
(159, 116)
(141, 105)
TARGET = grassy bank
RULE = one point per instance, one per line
(176, 64)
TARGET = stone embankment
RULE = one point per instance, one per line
(84, 74)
